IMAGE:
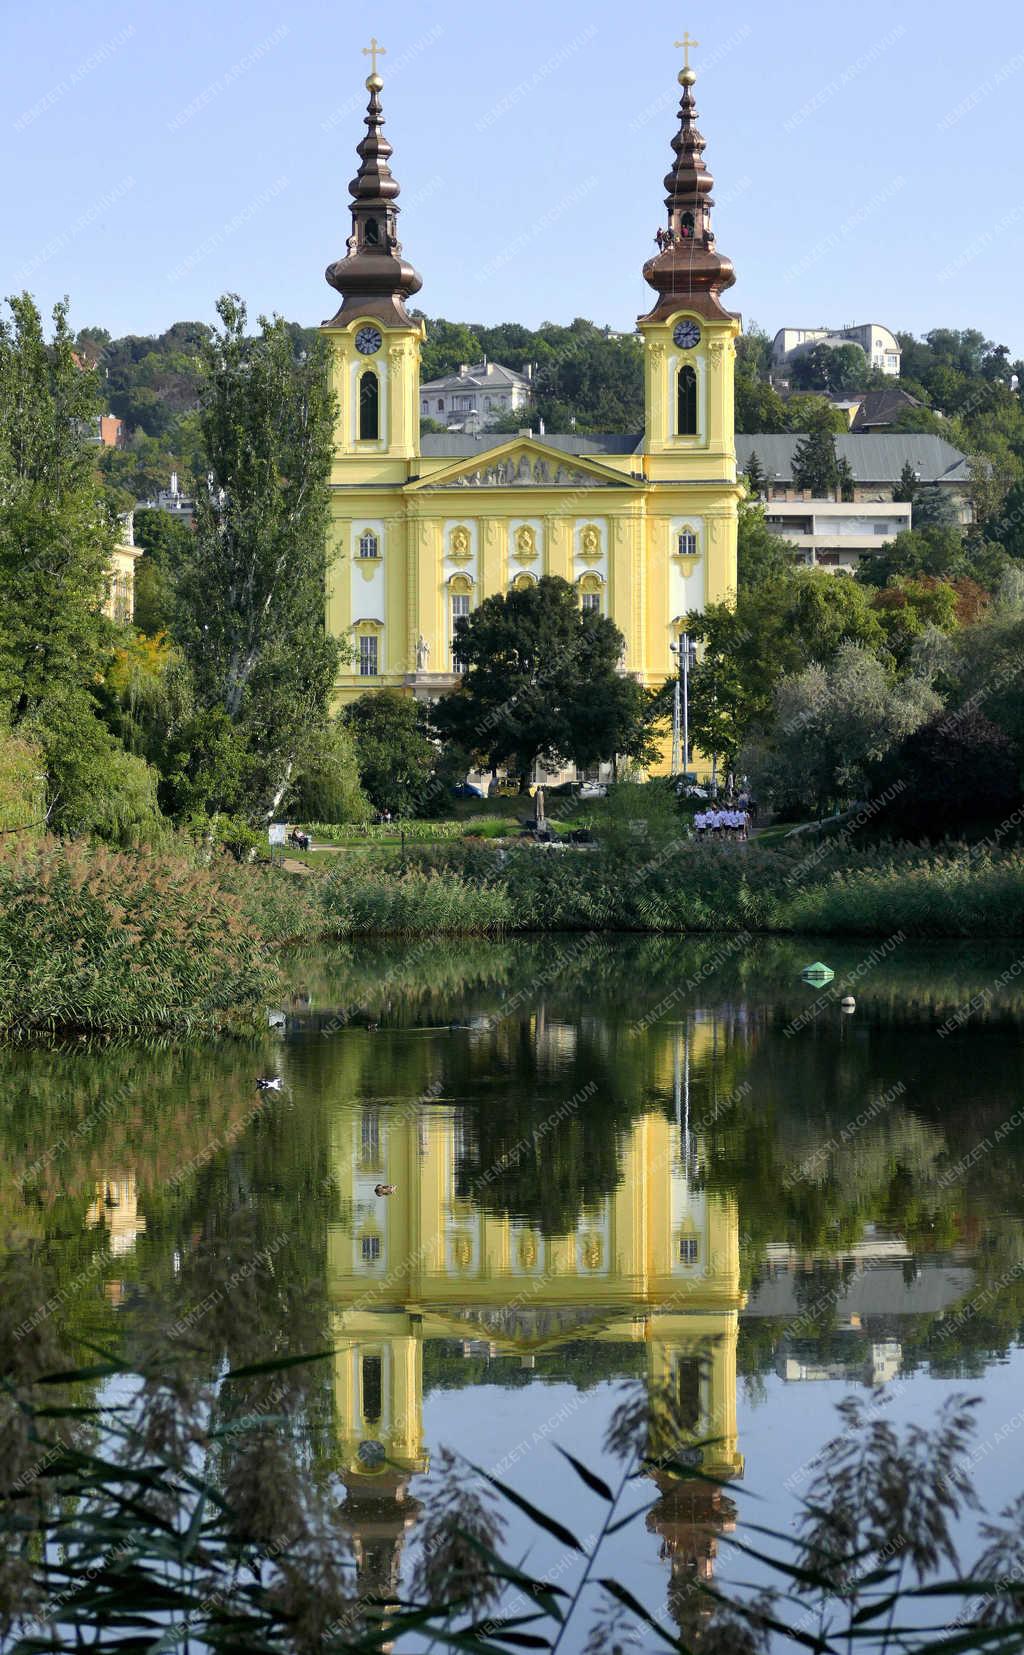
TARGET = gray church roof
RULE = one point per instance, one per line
(873, 458)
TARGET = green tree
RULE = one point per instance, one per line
(1007, 526)
(166, 542)
(56, 535)
(988, 675)
(776, 627)
(756, 476)
(908, 484)
(759, 407)
(805, 411)
(933, 508)
(542, 682)
(835, 369)
(928, 551)
(829, 724)
(761, 556)
(952, 773)
(393, 750)
(815, 465)
(329, 788)
(845, 480)
(250, 596)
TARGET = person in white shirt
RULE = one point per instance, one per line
(700, 822)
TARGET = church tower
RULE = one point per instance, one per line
(375, 343)
(689, 336)
(426, 527)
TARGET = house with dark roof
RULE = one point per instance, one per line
(877, 410)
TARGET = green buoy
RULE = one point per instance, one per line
(817, 973)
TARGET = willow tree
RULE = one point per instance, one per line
(250, 603)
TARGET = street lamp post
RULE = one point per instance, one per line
(686, 652)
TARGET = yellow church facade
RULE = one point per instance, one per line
(654, 1264)
(424, 528)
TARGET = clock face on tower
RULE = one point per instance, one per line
(686, 335)
(368, 340)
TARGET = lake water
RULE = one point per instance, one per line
(660, 1161)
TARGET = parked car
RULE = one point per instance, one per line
(593, 790)
(466, 790)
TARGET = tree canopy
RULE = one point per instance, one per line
(250, 594)
(542, 683)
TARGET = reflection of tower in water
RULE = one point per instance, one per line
(656, 1261)
(378, 1399)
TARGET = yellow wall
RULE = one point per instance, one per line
(426, 1263)
(634, 505)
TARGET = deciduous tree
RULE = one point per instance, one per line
(542, 682)
(250, 597)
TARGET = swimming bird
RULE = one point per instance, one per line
(269, 1083)
(384, 1189)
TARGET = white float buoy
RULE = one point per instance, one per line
(848, 1002)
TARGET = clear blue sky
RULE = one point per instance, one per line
(866, 157)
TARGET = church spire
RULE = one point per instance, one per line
(687, 270)
(373, 278)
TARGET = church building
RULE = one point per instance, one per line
(425, 527)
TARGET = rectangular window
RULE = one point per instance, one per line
(688, 1376)
(688, 1249)
(367, 656)
(460, 612)
(592, 603)
(687, 544)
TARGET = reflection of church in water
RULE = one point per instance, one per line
(655, 1263)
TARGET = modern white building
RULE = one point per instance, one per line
(836, 534)
(879, 344)
(832, 534)
(473, 398)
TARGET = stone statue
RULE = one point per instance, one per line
(422, 653)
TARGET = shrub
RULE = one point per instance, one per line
(415, 831)
(412, 904)
(96, 940)
(957, 895)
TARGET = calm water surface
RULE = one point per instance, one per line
(665, 1161)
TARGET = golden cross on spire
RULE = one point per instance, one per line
(375, 50)
(686, 43)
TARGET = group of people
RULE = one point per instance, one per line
(722, 822)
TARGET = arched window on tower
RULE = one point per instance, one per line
(686, 402)
(371, 233)
(369, 406)
(686, 227)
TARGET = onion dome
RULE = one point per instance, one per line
(373, 278)
(687, 270)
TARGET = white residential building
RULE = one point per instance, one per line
(833, 534)
(837, 534)
(473, 398)
(879, 344)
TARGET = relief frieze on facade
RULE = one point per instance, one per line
(523, 472)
